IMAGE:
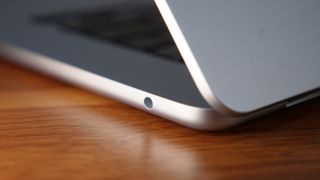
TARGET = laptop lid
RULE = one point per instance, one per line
(246, 55)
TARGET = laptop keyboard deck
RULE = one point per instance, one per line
(135, 25)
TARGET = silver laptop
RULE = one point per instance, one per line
(208, 64)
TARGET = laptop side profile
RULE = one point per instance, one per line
(222, 64)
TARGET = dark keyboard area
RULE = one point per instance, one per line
(136, 25)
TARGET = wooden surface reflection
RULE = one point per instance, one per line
(49, 129)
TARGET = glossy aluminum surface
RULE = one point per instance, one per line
(190, 116)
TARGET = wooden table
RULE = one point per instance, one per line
(51, 130)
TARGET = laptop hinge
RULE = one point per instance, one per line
(303, 98)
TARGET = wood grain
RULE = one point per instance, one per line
(51, 130)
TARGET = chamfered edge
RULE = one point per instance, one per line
(202, 84)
